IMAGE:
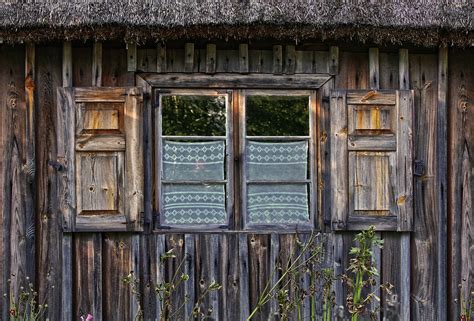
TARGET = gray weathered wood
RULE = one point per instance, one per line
(244, 278)
(404, 69)
(374, 82)
(189, 264)
(189, 57)
(211, 59)
(97, 64)
(244, 58)
(132, 56)
(67, 64)
(161, 59)
(277, 59)
(333, 61)
(290, 59)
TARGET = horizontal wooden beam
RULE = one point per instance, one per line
(225, 80)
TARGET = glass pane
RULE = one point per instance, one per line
(277, 161)
(193, 160)
(194, 204)
(277, 204)
(193, 115)
(277, 115)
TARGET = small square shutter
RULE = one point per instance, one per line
(371, 160)
(100, 162)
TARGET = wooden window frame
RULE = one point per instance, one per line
(243, 138)
(154, 83)
(158, 154)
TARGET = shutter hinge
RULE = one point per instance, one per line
(419, 168)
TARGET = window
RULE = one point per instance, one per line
(196, 166)
(194, 157)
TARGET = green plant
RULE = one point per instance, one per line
(466, 306)
(362, 274)
(166, 289)
(25, 307)
(287, 290)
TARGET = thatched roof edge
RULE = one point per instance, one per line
(419, 22)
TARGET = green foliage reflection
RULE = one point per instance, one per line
(277, 116)
(194, 115)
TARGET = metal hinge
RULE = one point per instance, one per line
(419, 168)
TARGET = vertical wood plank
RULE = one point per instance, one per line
(374, 75)
(66, 277)
(460, 180)
(67, 64)
(274, 274)
(389, 70)
(189, 290)
(333, 61)
(81, 69)
(277, 59)
(48, 224)
(189, 57)
(211, 58)
(442, 168)
(405, 245)
(88, 275)
(12, 62)
(244, 277)
(244, 58)
(160, 269)
(30, 165)
(230, 309)
(114, 68)
(404, 69)
(97, 64)
(161, 58)
(131, 56)
(290, 59)
(423, 78)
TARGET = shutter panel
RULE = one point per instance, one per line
(100, 158)
(371, 160)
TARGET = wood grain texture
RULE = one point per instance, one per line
(13, 115)
(423, 79)
(49, 223)
(460, 180)
(244, 58)
(97, 64)
(211, 59)
(132, 57)
(277, 59)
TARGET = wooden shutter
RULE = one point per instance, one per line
(371, 160)
(100, 162)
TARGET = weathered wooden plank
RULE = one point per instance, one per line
(404, 69)
(277, 59)
(117, 259)
(244, 293)
(442, 176)
(460, 180)
(175, 60)
(261, 61)
(290, 59)
(211, 58)
(274, 274)
(189, 57)
(374, 66)
(229, 271)
(353, 71)
(304, 62)
(229, 80)
(82, 66)
(49, 76)
(259, 274)
(423, 77)
(131, 56)
(244, 58)
(333, 61)
(389, 69)
(114, 68)
(29, 165)
(339, 178)
(160, 248)
(13, 115)
(228, 61)
(67, 64)
(146, 59)
(175, 242)
(66, 277)
(88, 275)
(97, 64)
(161, 59)
(189, 270)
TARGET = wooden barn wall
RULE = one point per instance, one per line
(82, 273)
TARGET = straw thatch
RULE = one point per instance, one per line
(420, 22)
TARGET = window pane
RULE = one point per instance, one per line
(277, 203)
(193, 160)
(277, 115)
(194, 204)
(277, 161)
(193, 115)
